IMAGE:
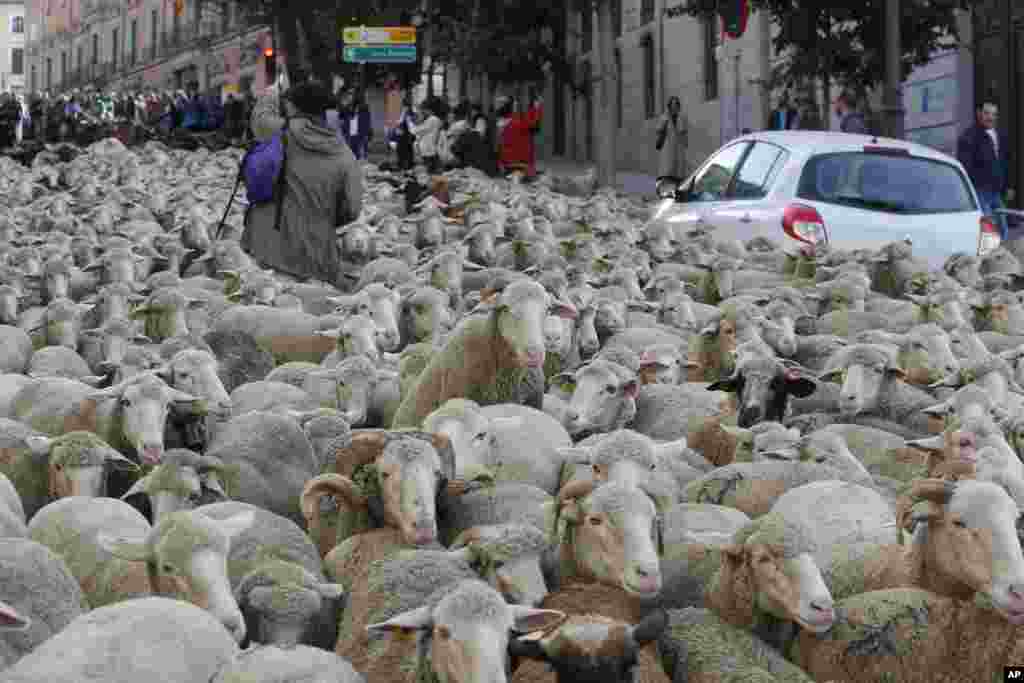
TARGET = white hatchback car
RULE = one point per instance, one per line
(802, 188)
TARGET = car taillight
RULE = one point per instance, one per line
(804, 224)
(989, 236)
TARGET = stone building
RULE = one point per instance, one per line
(136, 44)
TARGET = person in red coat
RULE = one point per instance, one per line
(515, 133)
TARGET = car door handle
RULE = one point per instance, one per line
(745, 218)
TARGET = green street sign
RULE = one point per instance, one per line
(381, 54)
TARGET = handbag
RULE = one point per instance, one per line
(662, 134)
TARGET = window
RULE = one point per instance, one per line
(758, 171)
(17, 24)
(95, 48)
(18, 61)
(225, 17)
(33, 81)
(133, 38)
(646, 11)
(712, 181)
(80, 59)
(616, 6)
(618, 88)
(587, 25)
(886, 183)
(710, 59)
(63, 66)
(49, 73)
(647, 46)
(115, 39)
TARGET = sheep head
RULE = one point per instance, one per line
(863, 370)
(517, 315)
(508, 557)
(603, 397)
(971, 544)
(763, 387)
(610, 534)
(770, 569)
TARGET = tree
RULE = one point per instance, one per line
(843, 40)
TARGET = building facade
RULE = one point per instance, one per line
(12, 46)
(145, 44)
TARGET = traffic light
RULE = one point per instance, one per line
(271, 64)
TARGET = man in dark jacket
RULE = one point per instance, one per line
(985, 155)
(850, 120)
(323, 188)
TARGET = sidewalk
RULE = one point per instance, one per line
(639, 184)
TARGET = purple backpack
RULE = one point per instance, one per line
(261, 169)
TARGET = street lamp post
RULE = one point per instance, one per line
(893, 71)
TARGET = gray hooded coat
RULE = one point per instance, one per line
(324, 190)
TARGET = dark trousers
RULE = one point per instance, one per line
(405, 151)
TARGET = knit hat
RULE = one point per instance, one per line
(311, 98)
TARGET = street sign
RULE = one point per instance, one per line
(389, 35)
(381, 54)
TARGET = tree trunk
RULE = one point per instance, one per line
(605, 120)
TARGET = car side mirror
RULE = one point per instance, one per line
(667, 187)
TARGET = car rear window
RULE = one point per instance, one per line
(887, 183)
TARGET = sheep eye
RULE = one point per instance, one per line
(166, 568)
(959, 523)
(125, 402)
(611, 389)
(654, 466)
(595, 521)
(385, 475)
(481, 436)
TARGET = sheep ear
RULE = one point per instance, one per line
(211, 481)
(39, 445)
(133, 549)
(831, 375)
(236, 524)
(896, 371)
(120, 463)
(137, 488)
(406, 623)
(938, 410)
(530, 619)
(566, 381)
(574, 455)
(932, 444)
(331, 591)
(798, 385)
(527, 648)
(729, 385)
(11, 620)
(651, 628)
(734, 554)
(631, 389)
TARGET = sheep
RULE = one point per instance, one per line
(392, 479)
(182, 481)
(105, 348)
(989, 563)
(379, 303)
(609, 561)
(59, 324)
(424, 317)
(146, 639)
(37, 586)
(286, 334)
(462, 632)
(60, 361)
(486, 356)
(268, 396)
(763, 387)
(134, 422)
(753, 488)
(239, 358)
(299, 664)
(277, 579)
(490, 442)
(17, 350)
(663, 364)
(273, 459)
(924, 352)
(873, 390)
(977, 440)
(502, 503)
(164, 313)
(385, 270)
(506, 557)
(592, 648)
(1000, 312)
(668, 413)
(603, 398)
(838, 514)
(357, 335)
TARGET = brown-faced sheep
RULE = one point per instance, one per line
(488, 355)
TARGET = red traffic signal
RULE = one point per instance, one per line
(269, 53)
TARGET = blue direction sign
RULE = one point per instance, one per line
(384, 54)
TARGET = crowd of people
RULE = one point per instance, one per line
(50, 118)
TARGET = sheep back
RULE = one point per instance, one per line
(667, 412)
(754, 487)
(713, 651)
(272, 664)
(150, 639)
(38, 585)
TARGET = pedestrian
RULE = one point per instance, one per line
(785, 116)
(428, 136)
(10, 114)
(515, 134)
(358, 126)
(37, 110)
(193, 112)
(850, 119)
(323, 187)
(234, 110)
(671, 139)
(24, 120)
(985, 154)
(404, 147)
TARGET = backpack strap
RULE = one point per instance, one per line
(281, 174)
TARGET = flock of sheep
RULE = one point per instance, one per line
(534, 437)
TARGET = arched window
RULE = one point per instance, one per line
(17, 24)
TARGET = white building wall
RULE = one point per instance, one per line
(10, 41)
